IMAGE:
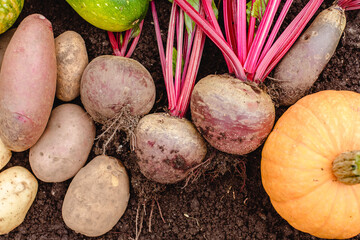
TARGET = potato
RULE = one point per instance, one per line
(97, 197)
(65, 145)
(27, 83)
(4, 42)
(110, 83)
(5, 155)
(72, 59)
(18, 188)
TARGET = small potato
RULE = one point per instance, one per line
(72, 59)
(97, 197)
(65, 145)
(18, 188)
(5, 155)
(4, 42)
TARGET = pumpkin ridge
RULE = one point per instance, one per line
(331, 137)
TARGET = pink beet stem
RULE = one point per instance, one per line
(241, 30)
(214, 36)
(135, 41)
(263, 54)
(169, 55)
(179, 54)
(260, 38)
(213, 21)
(114, 44)
(348, 5)
(158, 37)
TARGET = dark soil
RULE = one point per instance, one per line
(227, 201)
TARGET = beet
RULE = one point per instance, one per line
(233, 116)
(111, 83)
(167, 147)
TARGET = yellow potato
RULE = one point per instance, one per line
(18, 188)
(5, 155)
(72, 59)
(97, 197)
(65, 145)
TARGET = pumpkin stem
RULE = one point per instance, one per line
(346, 167)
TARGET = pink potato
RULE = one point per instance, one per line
(27, 83)
(110, 84)
(233, 116)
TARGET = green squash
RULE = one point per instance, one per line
(111, 15)
(9, 12)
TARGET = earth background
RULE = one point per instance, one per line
(225, 200)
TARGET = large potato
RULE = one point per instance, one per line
(110, 83)
(97, 197)
(4, 42)
(72, 59)
(5, 155)
(65, 145)
(18, 188)
(27, 83)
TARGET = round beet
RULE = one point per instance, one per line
(233, 116)
(110, 83)
(167, 147)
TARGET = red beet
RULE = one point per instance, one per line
(233, 116)
(167, 147)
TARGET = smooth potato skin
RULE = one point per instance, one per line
(109, 83)
(167, 147)
(27, 83)
(64, 146)
(231, 115)
(18, 189)
(72, 58)
(307, 58)
(97, 197)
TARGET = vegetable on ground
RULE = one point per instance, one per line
(302, 65)
(27, 83)
(97, 197)
(310, 164)
(167, 145)
(251, 52)
(64, 146)
(112, 86)
(72, 58)
(18, 189)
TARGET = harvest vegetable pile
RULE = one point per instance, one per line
(179, 120)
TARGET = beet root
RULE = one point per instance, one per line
(307, 58)
(111, 83)
(233, 116)
(167, 147)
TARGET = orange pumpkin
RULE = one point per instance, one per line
(310, 165)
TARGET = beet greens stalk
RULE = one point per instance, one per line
(252, 57)
(179, 80)
(120, 41)
(168, 146)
